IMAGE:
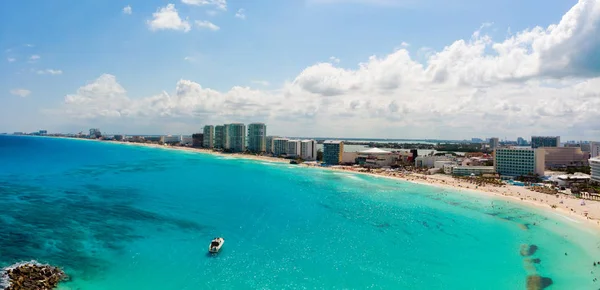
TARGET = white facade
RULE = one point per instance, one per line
(308, 150)
(209, 134)
(187, 140)
(595, 166)
(441, 163)
(171, 139)
(448, 167)
(519, 161)
(594, 149)
(564, 156)
(269, 146)
(280, 146)
(294, 148)
(429, 161)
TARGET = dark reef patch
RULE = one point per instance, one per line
(528, 250)
(68, 227)
(536, 282)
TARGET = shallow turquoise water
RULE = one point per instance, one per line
(126, 217)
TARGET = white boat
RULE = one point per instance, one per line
(215, 245)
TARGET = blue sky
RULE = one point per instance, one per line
(276, 42)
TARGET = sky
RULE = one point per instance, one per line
(437, 69)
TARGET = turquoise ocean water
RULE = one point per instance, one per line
(127, 217)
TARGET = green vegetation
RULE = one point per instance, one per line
(319, 155)
(460, 147)
(583, 169)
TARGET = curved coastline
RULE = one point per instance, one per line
(513, 193)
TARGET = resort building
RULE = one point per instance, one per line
(197, 140)
(209, 133)
(257, 137)
(280, 146)
(269, 145)
(237, 137)
(595, 168)
(428, 161)
(562, 157)
(308, 150)
(545, 141)
(494, 143)
(594, 149)
(333, 151)
(521, 142)
(294, 148)
(95, 133)
(187, 140)
(169, 139)
(376, 158)
(515, 162)
(472, 170)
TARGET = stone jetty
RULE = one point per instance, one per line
(32, 276)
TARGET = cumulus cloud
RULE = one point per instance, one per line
(262, 83)
(11, 59)
(220, 4)
(533, 82)
(127, 10)
(49, 72)
(20, 92)
(207, 25)
(334, 59)
(168, 18)
(241, 14)
(34, 57)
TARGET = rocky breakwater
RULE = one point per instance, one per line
(31, 276)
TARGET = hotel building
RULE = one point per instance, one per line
(594, 149)
(595, 166)
(468, 170)
(308, 150)
(237, 137)
(269, 145)
(557, 157)
(545, 141)
(257, 137)
(209, 133)
(294, 148)
(333, 152)
(280, 146)
(519, 161)
(222, 136)
(494, 143)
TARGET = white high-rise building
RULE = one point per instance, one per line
(269, 145)
(595, 168)
(308, 150)
(280, 146)
(294, 148)
(594, 149)
(519, 161)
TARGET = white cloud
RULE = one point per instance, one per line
(11, 59)
(20, 92)
(34, 57)
(241, 14)
(127, 10)
(400, 3)
(334, 59)
(220, 4)
(404, 44)
(211, 12)
(262, 83)
(168, 18)
(537, 81)
(28, 45)
(207, 24)
(189, 58)
(49, 72)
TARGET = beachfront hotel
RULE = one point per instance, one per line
(209, 133)
(595, 169)
(308, 150)
(333, 151)
(515, 162)
(471, 170)
(237, 137)
(294, 148)
(269, 145)
(545, 141)
(560, 157)
(280, 146)
(257, 137)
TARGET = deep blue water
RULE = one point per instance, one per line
(128, 217)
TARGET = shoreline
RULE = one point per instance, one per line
(570, 208)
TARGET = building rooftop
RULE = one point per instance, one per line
(475, 167)
(333, 142)
(375, 151)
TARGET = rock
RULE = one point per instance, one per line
(33, 275)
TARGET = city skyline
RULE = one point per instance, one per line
(426, 70)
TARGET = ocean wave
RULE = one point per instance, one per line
(4, 280)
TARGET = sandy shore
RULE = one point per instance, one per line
(566, 206)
